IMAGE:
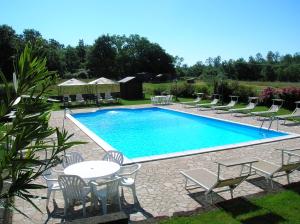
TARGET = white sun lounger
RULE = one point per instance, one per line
(271, 170)
(272, 110)
(246, 109)
(206, 106)
(191, 104)
(295, 114)
(232, 103)
(210, 181)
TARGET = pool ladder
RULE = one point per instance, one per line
(271, 119)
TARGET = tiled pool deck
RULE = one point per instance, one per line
(160, 186)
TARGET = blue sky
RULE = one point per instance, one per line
(192, 29)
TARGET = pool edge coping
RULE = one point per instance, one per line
(107, 147)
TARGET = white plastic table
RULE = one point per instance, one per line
(92, 170)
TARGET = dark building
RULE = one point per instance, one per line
(131, 88)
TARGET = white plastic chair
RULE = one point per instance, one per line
(128, 174)
(74, 189)
(105, 191)
(52, 184)
(114, 156)
(71, 158)
(79, 98)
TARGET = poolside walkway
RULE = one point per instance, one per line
(160, 186)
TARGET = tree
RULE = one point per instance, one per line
(268, 73)
(28, 136)
(101, 60)
(72, 59)
(81, 52)
(8, 49)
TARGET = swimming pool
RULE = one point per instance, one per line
(153, 133)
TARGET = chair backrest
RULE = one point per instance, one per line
(215, 101)
(274, 108)
(49, 177)
(231, 103)
(66, 98)
(296, 111)
(114, 156)
(129, 170)
(231, 181)
(71, 158)
(72, 187)
(79, 97)
(112, 187)
(198, 99)
(289, 167)
(108, 95)
(251, 105)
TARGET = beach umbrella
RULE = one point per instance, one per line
(72, 86)
(102, 85)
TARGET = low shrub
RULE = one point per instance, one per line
(289, 95)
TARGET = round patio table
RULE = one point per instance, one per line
(92, 170)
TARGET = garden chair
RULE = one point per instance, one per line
(128, 174)
(74, 189)
(114, 156)
(271, 170)
(272, 110)
(231, 104)
(210, 181)
(252, 104)
(52, 184)
(154, 100)
(80, 99)
(71, 158)
(109, 98)
(98, 99)
(293, 115)
(67, 100)
(106, 191)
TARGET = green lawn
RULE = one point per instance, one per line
(279, 208)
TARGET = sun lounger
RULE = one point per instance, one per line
(246, 109)
(191, 104)
(210, 181)
(206, 106)
(271, 170)
(272, 110)
(295, 114)
(231, 104)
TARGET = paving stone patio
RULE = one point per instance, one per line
(160, 186)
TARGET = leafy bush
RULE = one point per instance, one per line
(267, 95)
(289, 95)
(158, 90)
(226, 89)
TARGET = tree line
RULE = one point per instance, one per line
(115, 56)
(111, 56)
(272, 68)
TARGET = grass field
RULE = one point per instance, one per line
(279, 208)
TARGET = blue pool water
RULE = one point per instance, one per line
(154, 131)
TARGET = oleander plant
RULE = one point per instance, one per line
(28, 145)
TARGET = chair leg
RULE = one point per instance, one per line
(288, 177)
(104, 205)
(65, 210)
(231, 193)
(48, 197)
(134, 193)
(83, 207)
